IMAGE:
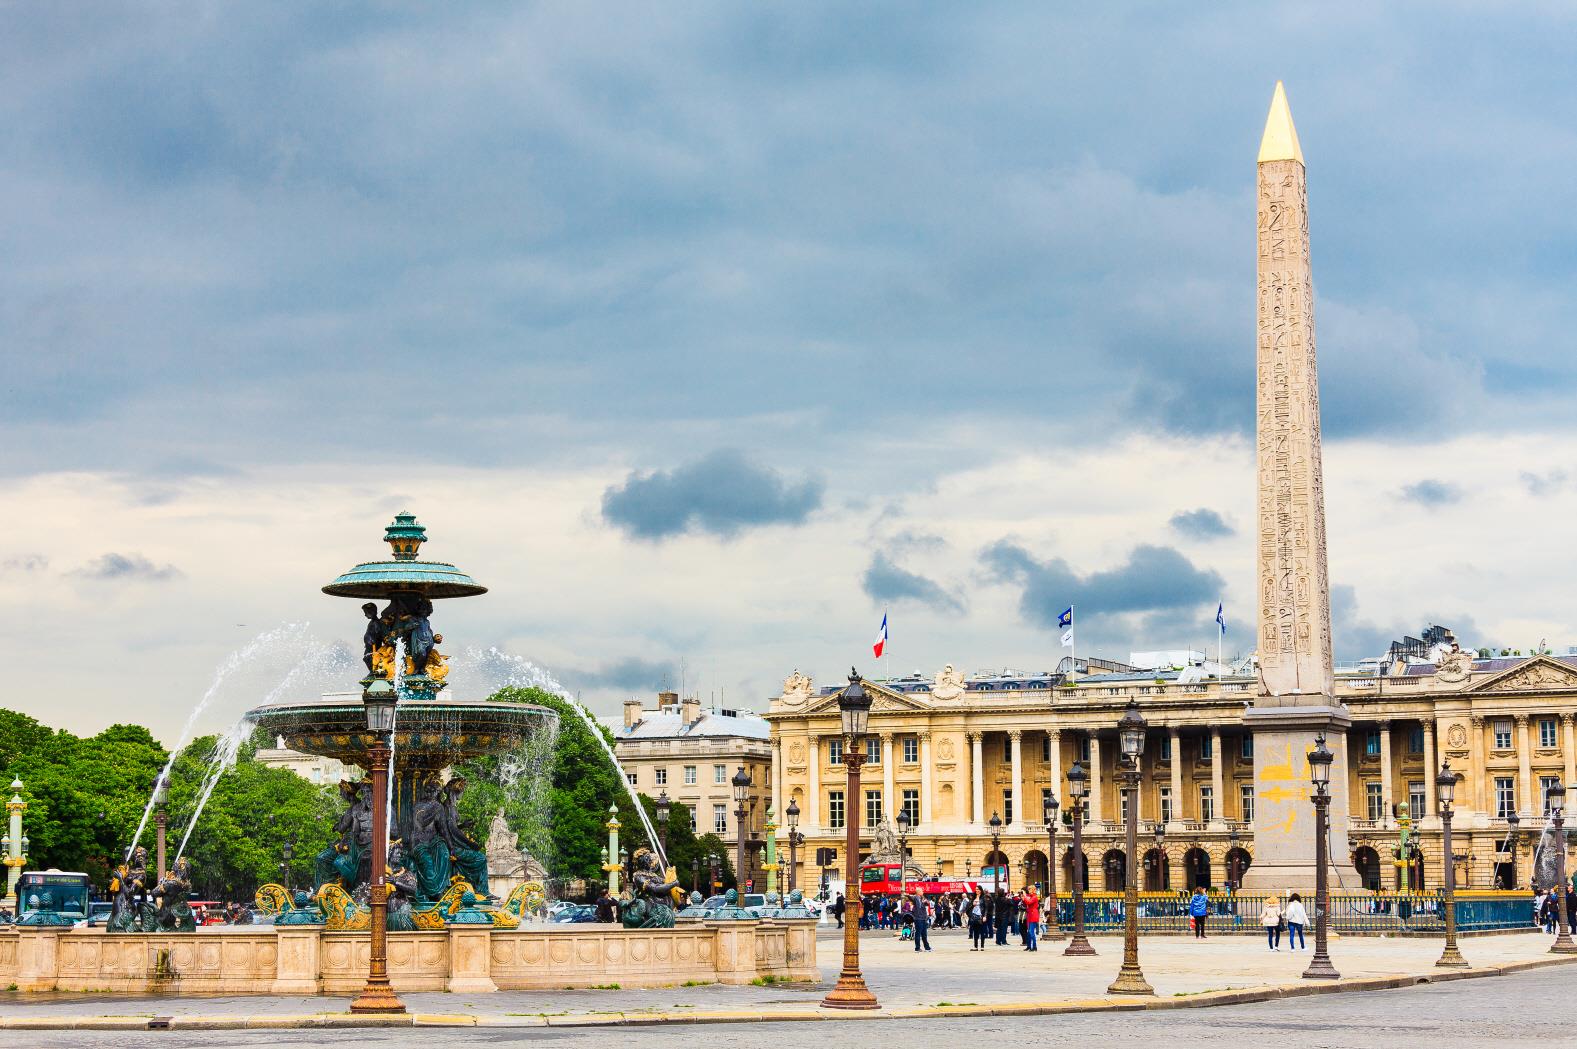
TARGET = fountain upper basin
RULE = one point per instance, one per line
(429, 732)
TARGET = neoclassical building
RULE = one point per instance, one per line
(956, 750)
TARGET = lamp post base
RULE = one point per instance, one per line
(1451, 958)
(1321, 969)
(850, 992)
(1079, 947)
(1130, 980)
(377, 998)
(1563, 944)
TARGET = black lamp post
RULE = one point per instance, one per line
(1320, 760)
(664, 807)
(1078, 790)
(1161, 881)
(850, 992)
(1233, 874)
(287, 853)
(1054, 932)
(741, 800)
(1557, 802)
(1130, 734)
(903, 851)
(1445, 791)
(695, 873)
(998, 861)
(794, 838)
(378, 996)
(716, 860)
(1513, 840)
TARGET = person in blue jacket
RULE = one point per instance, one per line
(1198, 909)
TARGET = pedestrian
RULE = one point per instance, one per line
(606, 908)
(1571, 909)
(977, 922)
(1031, 919)
(1198, 911)
(1001, 916)
(922, 926)
(1270, 918)
(1297, 918)
(838, 908)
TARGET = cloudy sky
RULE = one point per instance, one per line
(701, 332)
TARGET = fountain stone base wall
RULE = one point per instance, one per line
(304, 960)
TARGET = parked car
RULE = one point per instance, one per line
(576, 914)
(98, 915)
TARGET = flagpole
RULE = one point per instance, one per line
(1073, 623)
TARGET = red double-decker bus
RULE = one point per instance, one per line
(887, 879)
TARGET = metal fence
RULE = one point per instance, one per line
(1396, 914)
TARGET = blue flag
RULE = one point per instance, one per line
(1221, 619)
(1066, 619)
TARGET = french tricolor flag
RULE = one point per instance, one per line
(881, 638)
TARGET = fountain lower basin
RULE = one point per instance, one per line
(429, 734)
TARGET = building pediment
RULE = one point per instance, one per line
(1541, 673)
(883, 701)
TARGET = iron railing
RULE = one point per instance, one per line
(1397, 914)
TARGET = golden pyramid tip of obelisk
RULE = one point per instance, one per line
(1281, 138)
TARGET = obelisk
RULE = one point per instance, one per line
(1296, 699)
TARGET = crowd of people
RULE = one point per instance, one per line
(988, 916)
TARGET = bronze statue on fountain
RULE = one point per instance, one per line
(655, 894)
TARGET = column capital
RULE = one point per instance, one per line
(886, 737)
(973, 737)
(923, 735)
(1569, 717)
(1477, 720)
(1384, 724)
(1055, 734)
(1015, 734)
(1521, 720)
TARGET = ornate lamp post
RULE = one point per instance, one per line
(695, 874)
(14, 843)
(741, 798)
(664, 807)
(795, 838)
(903, 852)
(287, 853)
(161, 819)
(1233, 874)
(1445, 791)
(1513, 840)
(1078, 790)
(716, 866)
(771, 866)
(1161, 880)
(1320, 761)
(854, 704)
(378, 996)
(998, 861)
(612, 867)
(1052, 927)
(1130, 733)
(1557, 802)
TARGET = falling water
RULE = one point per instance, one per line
(500, 670)
(293, 634)
(220, 759)
(1547, 856)
(399, 693)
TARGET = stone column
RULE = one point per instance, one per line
(812, 786)
(1431, 767)
(1524, 769)
(1387, 798)
(1097, 810)
(1217, 789)
(889, 796)
(1055, 745)
(1478, 755)
(927, 775)
(470, 960)
(1016, 782)
(1569, 749)
(977, 785)
(296, 969)
(1177, 780)
(777, 801)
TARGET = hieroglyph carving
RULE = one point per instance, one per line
(1295, 619)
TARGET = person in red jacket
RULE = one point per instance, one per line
(1031, 919)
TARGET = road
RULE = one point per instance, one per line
(1524, 1009)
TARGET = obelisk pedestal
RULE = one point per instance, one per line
(1296, 697)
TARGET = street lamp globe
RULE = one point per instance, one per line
(1130, 731)
(1160, 834)
(663, 805)
(1320, 760)
(1078, 782)
(854, 704)
(741, 785)
(1556, 796)
(792, 814)
(161, 790)
(379, 699)
(996, 824)
(1052, 805)
(903, 821)
(1446, 786)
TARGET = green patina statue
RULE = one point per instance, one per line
(654, 894)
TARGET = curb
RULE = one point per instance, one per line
(1205, 1000)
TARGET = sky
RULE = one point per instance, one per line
(702, 333)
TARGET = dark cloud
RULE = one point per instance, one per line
(629, 675)
(1542, 484)
(1431, 492)
(25, 563)
(113, 566)
(722, 494)
(885, 581)
(1154, 578)
(1200, 524)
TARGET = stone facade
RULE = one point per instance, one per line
(305, 960)
(1507, 726)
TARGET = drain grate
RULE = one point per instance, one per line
(161, 1023)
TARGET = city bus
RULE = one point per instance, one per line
(888, 879)
(63, 892)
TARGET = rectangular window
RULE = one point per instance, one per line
(911, 750)
(631, 777)
(1045, 747)
(1007, 748)
(835, 809)
(1547, 733)
(1166, 804)
(835, 752)
(1246, 803)
(1374, 800)
(720, 819)
(1084, 751)
(1007, 806)
(1207, 803)
(1505, 796)
(692, 819)
(689, 775)
(1502, 735)
(1207, 747)
(1166, 747)
(1122, 807)
(1546, 784)
(911, 807)
(1246, 747)
(1416, 802)
(1415, 740)
(661, 777)
(719, 773)
(1371, 744)
(873, 808)
(873, 750)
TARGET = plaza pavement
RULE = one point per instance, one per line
(951, 980)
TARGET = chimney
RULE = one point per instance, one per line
(632, 713)
(667, 701)
(690, 712)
